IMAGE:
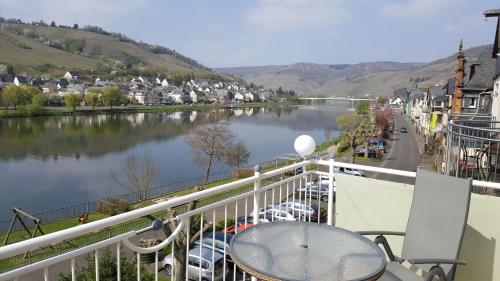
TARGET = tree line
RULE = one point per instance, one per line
(32, 99)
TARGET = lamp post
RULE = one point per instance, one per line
(304, 145)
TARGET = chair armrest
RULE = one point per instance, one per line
(436, 261)
(382, 232)
(380, 239)
(436, 270)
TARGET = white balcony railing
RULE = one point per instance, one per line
(362, 203)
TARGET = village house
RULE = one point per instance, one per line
(73, 75)
(194, 96)
(6, 79)
(251, 97)
(238, 97)
(473, 95)
(20, 81)
(399, 97)
(62, 83)
(137, 97)
(164, 82)
(49, 87)
(176, 95)
(495, 54)
(477, 91)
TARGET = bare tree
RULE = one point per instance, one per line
(237, 154)
(209, 142)
(354, 130)
(181, 240)
(141, 173)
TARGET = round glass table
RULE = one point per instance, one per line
(306, 251)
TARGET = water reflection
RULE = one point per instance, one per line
(50, 162)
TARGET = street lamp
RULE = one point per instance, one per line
(304, 145)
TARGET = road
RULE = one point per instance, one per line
(404, 153)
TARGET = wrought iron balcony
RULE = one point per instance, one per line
(473, 149)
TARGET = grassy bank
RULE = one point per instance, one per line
(21, 234)
(63, 111)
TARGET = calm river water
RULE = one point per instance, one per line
(52, 162)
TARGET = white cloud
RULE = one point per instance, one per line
(286, 14)
(70, 11)
(418, 8)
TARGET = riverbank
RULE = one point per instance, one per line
(64, 111)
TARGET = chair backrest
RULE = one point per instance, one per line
(438, 217)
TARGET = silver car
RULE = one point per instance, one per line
(316, 190)
(350, 171)
(208, 265)
(297, 209)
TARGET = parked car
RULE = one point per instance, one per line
(321, 212)
(210, 262)
(297, 209)
(294, 172)
(208, 242)
(275, 214)
(317, 190)
(378, 142)
(239, 225)
(372, 153)
(403, 130)
(350, 171)
(232, 228)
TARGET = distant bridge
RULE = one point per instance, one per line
(338, 98)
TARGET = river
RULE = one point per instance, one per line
(52, 162)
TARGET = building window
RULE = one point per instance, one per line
(470, 102)
(485, 102)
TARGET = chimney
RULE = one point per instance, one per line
(456, 107)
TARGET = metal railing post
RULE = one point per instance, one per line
(256, 196)
(331, 185)
(256, 199)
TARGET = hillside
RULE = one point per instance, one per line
(375, 78)
(32, 47)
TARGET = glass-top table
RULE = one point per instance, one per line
(306, 251)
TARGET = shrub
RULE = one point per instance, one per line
(55, 44)
(74, 45)
(23, 45)
(243, 172)
(220, 225)
(108, 269)
(113, 206)
(38, 101)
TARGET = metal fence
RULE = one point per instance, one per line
(132, 197)
(473, 149)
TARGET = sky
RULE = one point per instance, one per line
(223, 33)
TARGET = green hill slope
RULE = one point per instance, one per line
(29, 47)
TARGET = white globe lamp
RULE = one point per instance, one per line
(304, 145)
